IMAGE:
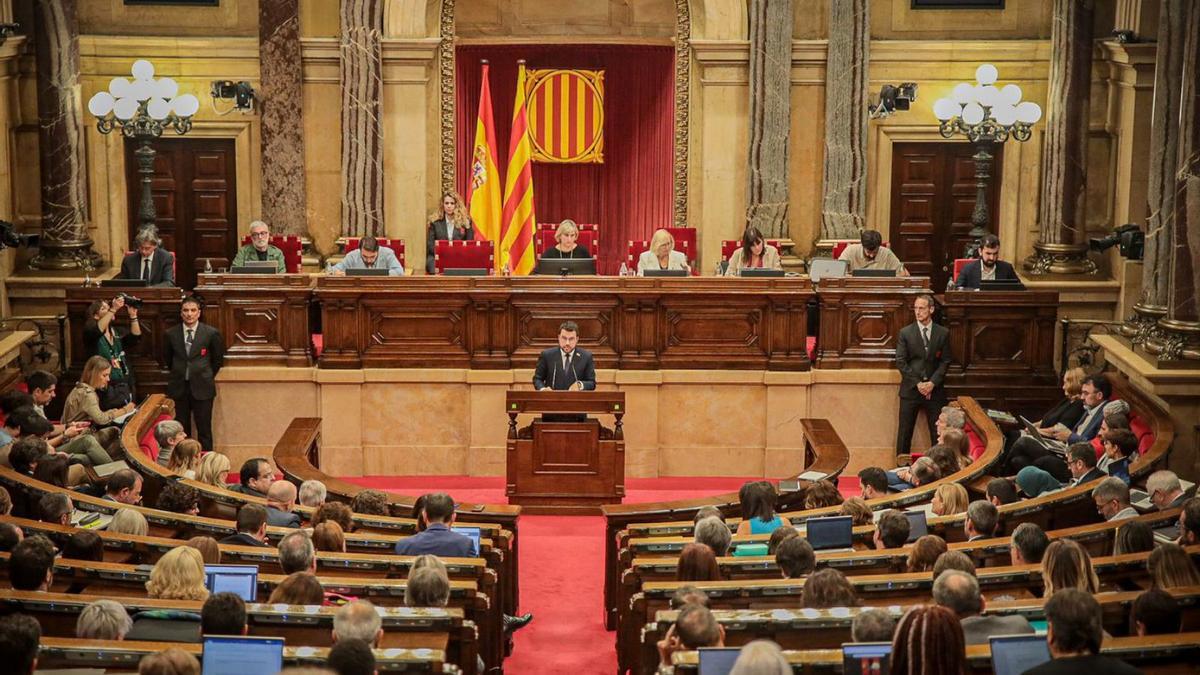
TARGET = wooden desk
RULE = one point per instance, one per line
(263, 317)
(861, 318)
(159, 312)
(626, 322)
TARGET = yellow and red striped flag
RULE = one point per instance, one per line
(516, 250)
(483, 192)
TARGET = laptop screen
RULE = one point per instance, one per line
(228, 654)
(917, 527)
(1015, 654)
(717, 660)
(241, 580)
(472, 532)
(827, 533)
(866, 658)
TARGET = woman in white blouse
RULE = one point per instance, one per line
(662, 255)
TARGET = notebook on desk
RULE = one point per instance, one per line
(367, 272)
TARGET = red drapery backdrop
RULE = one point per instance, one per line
(629, 195)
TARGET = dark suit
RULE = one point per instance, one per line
(978, 629)
(277, 518)
(917, 364)
(244, 539)
(191, 382)
(1092, 474)
(437, 539)
(551, 373)
(162, 267)
(440, 230)
(972, 274)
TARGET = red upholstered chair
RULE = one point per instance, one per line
(1142, 430)
(685, 242)
(292, 248)
(589, 239)
(397, 246)
(459, 254)
(728, 246)
(149, 442)
(959, 264)
(637, 248)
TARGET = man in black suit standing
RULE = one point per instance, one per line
(565, 367)
(151, 262)
(922, 356)
(989, 266)
(193, 352)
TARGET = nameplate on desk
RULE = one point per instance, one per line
(251, 268)
(664, 273)
(367, 272)
(874, 273)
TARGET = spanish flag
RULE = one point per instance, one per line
(516, 249)
(483, 192)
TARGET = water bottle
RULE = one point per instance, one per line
(717, 270)
(328, 267)
(950, 284)
(624, 271)
(208, 266)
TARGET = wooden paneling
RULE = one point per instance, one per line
(861, 318)
(263, 317)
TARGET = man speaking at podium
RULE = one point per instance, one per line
(565, 367)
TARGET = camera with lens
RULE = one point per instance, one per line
(9, 238)
(1130, 240)
(132, 300)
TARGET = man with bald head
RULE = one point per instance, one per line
(281, 499)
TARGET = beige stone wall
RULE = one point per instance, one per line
(500, 19)
(444, 421)
(114, 17)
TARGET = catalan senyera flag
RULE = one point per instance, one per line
(566, 115)
(483, 192)
(516, 249)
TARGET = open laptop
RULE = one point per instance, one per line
(473, 533)
(1031, 430)
(717, 660)
(917, 525)
(821, 268)
(834, 534)
(869, 272)
(225, 654)
(367, 272)
(241, 580)
(1015, 654)
(664, 273)
(866, 658)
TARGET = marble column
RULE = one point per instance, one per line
(770, 116)
(281, 98)
(1164, 159)
(362, 123)
(65, 243)
(1062, 229)
(844, 203)
(1177, 344)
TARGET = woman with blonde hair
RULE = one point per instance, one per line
(566, 245)
(83, 405)
(450, 222)
(178, 575)
(662, 255)
(185, 458)
(129, 521)
(949, 499)
(214, 468)
(1066, 564)
(1171, 567)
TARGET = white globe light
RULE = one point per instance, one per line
(186, 105)
(142, 89)
(945, 109)
(118, 87)
(125, 108)
(143, 69)
(987, 95)
(1010, 94)
(986, 74)
(101, 104)
(963, 93)
(158, 108)
(1004, 114)
(167, 88)
(1029, 112)
(972, 113)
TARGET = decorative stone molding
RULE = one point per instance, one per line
(446, 78)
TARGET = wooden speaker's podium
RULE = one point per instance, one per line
(569, 467)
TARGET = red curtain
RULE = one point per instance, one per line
(629, 195)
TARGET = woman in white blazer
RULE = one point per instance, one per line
(662, 255)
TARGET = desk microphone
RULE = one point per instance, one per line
(573, 373)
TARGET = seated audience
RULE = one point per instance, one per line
(959, 592)
(312, 493)
(922, 472)
(1112, 499)
(427, 587)
(758, 508)
(873, 482)
(299, 588)
(1120, 449)
(224, 614)
(369, 255)
(715, 534)
(214, 469)
(892, 530)
(1081, 464)
(694, 628)
(781, 533)
(1095, 391)
(83, 405)
(31, 564)
(210, 550)
(947, 459)
(958, 442)
(1001, 491)
(1029, 544)
(370, 502)
(1133, 537)
(103, 620)
(1034, 482)
(256, 477)
(297, 553)
(870, 254)
(1069, 410)
(124, 487)
(795, 558)
(1165, 490)
(173, 661)
(1066, 564)
(925, 552)
(662, 255)
(251, 527)
(84, 545)
(56, 507)
(754, 253)
(178, 497)
(761, 657)
(358, 620)
(168, 433)
(949, 499)
(340, 513)
(688, 594)
(1189, 522)
(981, 521)
(953, 560)
(10, 536)
(1171, 567)
(1074, 632)
(129, 521)
(281, 499)
(822, 493)
(6, 504)
(54, 470)
(20, 637)
(872, 624)
(857, 508)
(328, 536)
(928, 641)
(707, 511)
(697, 563)
(1155, 612)
(950, 417)
(185, 458)
(437, 538)
(352, 657)
(178, 575)
(828, 587)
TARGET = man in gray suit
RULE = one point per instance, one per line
(922, 356)
(959, 592)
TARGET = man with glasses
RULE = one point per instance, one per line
(260, 249)
(1112, 500)
(922, 356)
(1166, 492)
(1081, 462)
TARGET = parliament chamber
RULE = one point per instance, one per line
(747, 336)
